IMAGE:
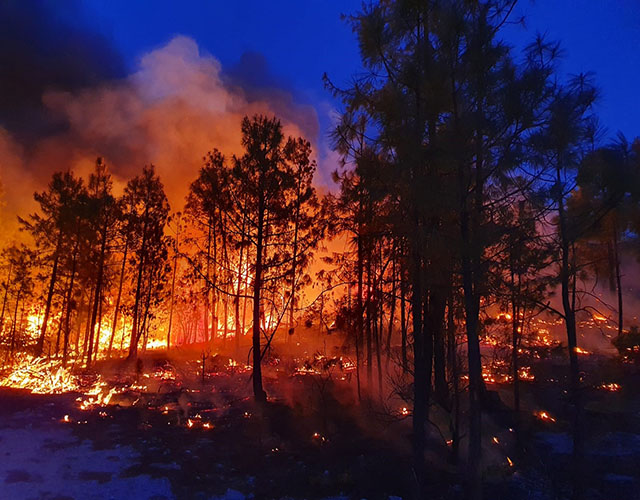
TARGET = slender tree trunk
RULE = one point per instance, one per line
(245, 299)
(454, 377)
(97, 342)
(438, 307)
(403, 326)
(369, 325)
(97, 302)
(258, 391)
(63, 308)
(392, 311)
(421, 374)
(87, 328)
(133, 346)
(173, 284)
(214, 291)
(471, 306)
(173, 288)
(515, 337)
(377, 332)
(14, 326)
(568, 301)
(294, 261)
(616, 256)
(117, 308)
(207, 285)
(237, 298)
(6, 295)
(359, 313)
(145, 315)
(67, 329)
(47, 308)
(515, 324)
(225, 327)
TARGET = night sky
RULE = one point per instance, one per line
(288, 45)
(301, 40)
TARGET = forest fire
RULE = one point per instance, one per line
(216, 283)
(41, 376)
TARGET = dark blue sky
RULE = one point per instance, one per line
(301, 40)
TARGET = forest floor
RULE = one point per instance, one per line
(172, 434)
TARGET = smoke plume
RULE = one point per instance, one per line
(176, 106)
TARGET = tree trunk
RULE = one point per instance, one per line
(97, 302)
(258, 391)
(438, 307)
(97, 343)
(14, 326)
(359, 314)
(471, 306)
(616, 257)
(87, 328)
(403, 326)
(214, 292)
(515, 337)
(207, 285)
(377, 330)
(294, 262)
(454, 376)
(369, 325)
(237, 298)
(173, 285)
(392, 311)
(63, 308)
(133, 346)
(117, 308)
(145, 315)
(421, 374)
(570, 322)
(67, 330)
(4, 300)
(47, 308)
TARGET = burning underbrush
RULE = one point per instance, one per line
(192, 392)
(194, 422)
(191, 418)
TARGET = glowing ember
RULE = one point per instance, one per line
(612, 387)
(404, 411)
(510, 462)
(495, 440)
(524, 373)
(66, 419)
(98, 395)
(579, 350)
(543, 415)
(319, 437)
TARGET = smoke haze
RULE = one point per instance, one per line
(174, 108)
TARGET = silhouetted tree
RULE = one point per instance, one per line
(146, 210)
